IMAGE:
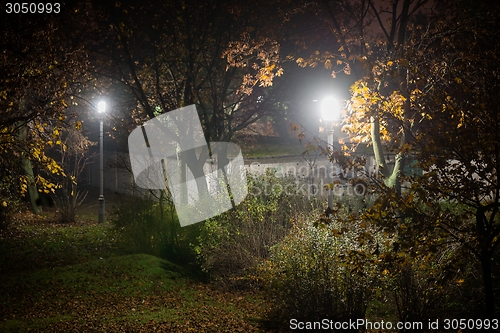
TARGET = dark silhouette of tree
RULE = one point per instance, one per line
(42, 65)
(454, 76)
(172, 54)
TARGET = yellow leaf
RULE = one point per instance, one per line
(328, 64)
(301, 62)
(347, 70)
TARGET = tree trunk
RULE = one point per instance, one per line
(32, 189)
(488, 285)
(390, 176)
(33, 195)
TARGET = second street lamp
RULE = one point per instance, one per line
(101, 109)
(331, 113)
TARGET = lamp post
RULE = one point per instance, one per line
(101, 109)
(331, 112)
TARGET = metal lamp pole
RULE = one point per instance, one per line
(330, 178)
(101, 108)
(331, 110)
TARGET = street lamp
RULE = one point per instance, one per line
(101, 109)
(331, 112)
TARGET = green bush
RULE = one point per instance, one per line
(428, 274)
(436, 285)
(151, 227)
(320, 272)
(232, 244)
(432, 275)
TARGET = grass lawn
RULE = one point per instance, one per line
(80, 278)
(264, 146)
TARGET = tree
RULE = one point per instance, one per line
(42, 63)
(433, 96)
(73, 158)
(173, 55)
(369, 41)
(454, 74)
(375, 41)
(459, 144)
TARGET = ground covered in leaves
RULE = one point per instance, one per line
(80, 278)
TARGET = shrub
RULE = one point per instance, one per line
(232, 244)
(73, 159)
(433, 275)
(429, 275)
(67, 204)
(438, 285)
(320, 272)
(152, 227)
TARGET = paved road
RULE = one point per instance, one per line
(284, 159)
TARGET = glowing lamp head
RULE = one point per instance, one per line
(101, 107)
(331, 109)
